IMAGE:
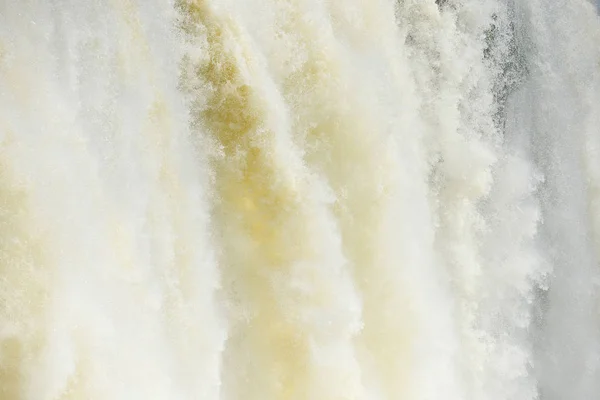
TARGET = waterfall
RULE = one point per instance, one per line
(299, 199)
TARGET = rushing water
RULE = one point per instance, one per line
(299, 199)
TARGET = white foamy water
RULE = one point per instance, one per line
(299, 199)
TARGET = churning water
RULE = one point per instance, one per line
(299, 199)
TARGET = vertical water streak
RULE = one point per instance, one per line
(293, 309)
(96, 138)
(559, 107)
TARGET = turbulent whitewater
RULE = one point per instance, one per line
(299, 199)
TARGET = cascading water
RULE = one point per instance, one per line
(299, 199)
